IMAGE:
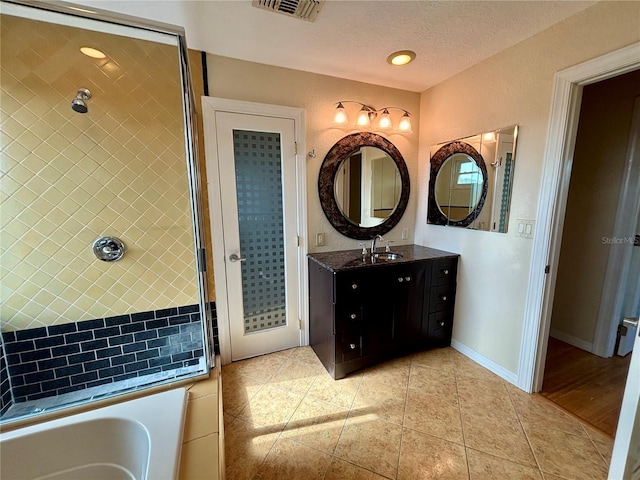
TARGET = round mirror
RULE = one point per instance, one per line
(458, 185)
(363, 185)
(367, 187)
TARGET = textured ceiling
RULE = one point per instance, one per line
(352, 39)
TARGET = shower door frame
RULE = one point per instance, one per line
(211, 105)
(194, 173)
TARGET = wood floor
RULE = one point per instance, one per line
(584, 384)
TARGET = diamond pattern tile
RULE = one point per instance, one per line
(67, 178)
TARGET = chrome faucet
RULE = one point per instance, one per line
(373, 243)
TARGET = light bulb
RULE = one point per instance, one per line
(92, 52)
(385, 120)
(401, 58)
(405, 124)
(340, 116)
(363, 118)
(489, 137)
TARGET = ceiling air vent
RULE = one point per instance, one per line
(303, 9)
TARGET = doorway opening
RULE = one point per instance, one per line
(586, 362)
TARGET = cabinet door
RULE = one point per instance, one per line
(392, 313)
(409, 289)
(378, 311)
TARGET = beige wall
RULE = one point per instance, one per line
(596, 175)
(69, 178)
(512, 87)
(318, 94)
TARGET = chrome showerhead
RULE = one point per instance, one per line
(78, 104)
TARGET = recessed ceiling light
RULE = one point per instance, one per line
(401, 58)
(92, 52)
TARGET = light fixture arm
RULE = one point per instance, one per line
(394, 108)
(366, 107)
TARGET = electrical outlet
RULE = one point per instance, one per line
(405, 234)
(320, 239)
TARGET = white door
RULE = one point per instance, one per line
(625, 460)
(255, 196)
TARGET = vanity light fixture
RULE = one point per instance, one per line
(368, 114)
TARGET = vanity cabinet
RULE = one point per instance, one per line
(362, 312)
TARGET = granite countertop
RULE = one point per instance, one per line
(352, 259)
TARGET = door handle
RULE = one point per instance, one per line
(235, 258)
(630, 322)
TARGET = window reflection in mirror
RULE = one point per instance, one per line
(367, 187)
(457, 182)
(458, 186)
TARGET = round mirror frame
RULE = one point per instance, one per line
(343, 149)
(434, 214)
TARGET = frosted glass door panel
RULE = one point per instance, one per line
(258, 164)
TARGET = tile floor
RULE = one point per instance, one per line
(433, 414)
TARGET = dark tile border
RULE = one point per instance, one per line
(47, 361)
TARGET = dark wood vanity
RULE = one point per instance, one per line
(363, 310)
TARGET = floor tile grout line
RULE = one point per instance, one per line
(464, 437)
(404, 418)
(333, 454)
(345, 425)
(579, 421)
(524, 430)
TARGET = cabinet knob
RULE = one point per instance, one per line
(400, 279)
(353, 316)
(407, 279)
(352, 346)
(354, 286)
(444, 298)
(442, 324)
(445, 271)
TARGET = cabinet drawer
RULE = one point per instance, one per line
(440, 324)
(349, 348)
(348, 314)
(350, 287)
(442, 298)
(444, 271)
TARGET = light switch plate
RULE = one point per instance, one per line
(525, 228)
(320, 239)
(405, 233)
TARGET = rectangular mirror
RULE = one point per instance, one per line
(471, 181)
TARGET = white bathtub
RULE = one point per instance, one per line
(135, 440)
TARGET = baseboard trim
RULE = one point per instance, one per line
(571, 340)
(485, 362)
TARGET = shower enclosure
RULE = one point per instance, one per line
(103, 286)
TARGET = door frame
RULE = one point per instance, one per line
(211, 105)
(556, 174)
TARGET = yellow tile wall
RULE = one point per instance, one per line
(67, 179)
